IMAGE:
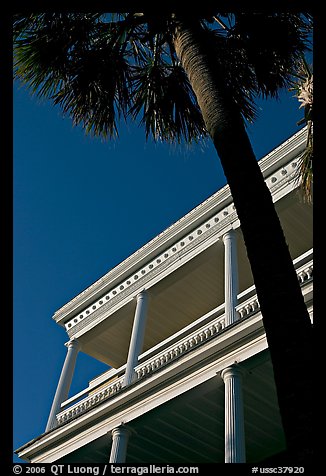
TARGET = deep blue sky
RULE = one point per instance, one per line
(81, 206)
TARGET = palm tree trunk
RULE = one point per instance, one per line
(285, 316)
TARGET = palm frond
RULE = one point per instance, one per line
(303, 88)
(78, 62)
(97, 92)
(231, 65)
(183, 107)
(148, 92)
(163, 98)
(274, 44)
(305, 170)
(43, 51)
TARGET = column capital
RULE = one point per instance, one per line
(232, 371)
(142, 295)
(73, 344)
(122, 430)
(229, 235)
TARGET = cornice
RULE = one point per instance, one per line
(284, 153)
(113, 285)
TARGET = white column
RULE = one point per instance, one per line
(120, 437)
(235, 450)
(231, 276)
(137, 337)
(63, 387)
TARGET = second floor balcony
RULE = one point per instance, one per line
(205, 335)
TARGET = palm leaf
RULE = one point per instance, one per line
(274, 44)
(163, 98)
(303, 87)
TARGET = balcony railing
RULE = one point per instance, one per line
(199, 332)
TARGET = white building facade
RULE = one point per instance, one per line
(179, 325)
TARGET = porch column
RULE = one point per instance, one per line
(137, 337)
(231, 276)
(120, 437)
(63, 387)
(235, 450)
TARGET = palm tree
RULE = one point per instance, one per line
(189, 77)
(303, 87)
